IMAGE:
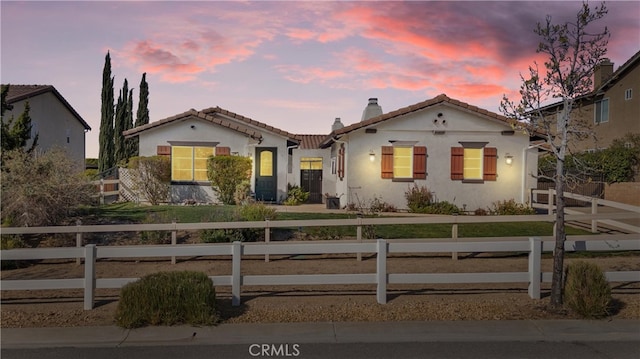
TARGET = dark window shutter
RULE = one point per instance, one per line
(490, 164)
(341, 162)
(419, 162)
(223, 151)
(163, 151)
(386, 163)
(457, 163)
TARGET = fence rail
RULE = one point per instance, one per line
(381, 248)
(595, 202)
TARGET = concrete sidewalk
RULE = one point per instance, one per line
(361, 332)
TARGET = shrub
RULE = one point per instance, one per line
(296, 196)
(42, 188)
(151, 176)
(442, 207)
(168, 298)
(377, 205)
(586, 290)
(226, 173)
(221, 235)
(257, 212)
(418, 198)
(511, 207)
(155, 237)
(11, 242)
(242, 195)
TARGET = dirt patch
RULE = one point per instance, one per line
(55, 308)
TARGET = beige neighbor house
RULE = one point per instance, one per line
(52, 118)
(463, 154)
(612, 108)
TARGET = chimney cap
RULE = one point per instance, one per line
(373, 100)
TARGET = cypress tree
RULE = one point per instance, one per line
(131, 150)
(142, 115)
(120, 152)
(106, 152)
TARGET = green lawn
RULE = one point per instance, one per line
(128, 212)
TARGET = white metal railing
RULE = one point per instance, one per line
(595, 202)
(381, 278)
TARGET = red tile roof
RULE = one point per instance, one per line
(195, 114)
(442, 98)
(309, 142)
(24, 92)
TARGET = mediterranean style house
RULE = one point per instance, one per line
(52, 118)
(463, 154)
(613, 107)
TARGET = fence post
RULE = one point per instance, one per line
(78, 241)
(89, 275)
(267, 238)
(594, 210)
(550, 200)
(174, 240)
(236, 276)
(454, 236)
(359, 234)
(101, 190)
(381, 272)
(535, 273)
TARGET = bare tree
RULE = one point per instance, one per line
(573, 53)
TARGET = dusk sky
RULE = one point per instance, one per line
(293, 65)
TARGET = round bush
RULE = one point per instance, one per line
(586, 290)
(168, 298)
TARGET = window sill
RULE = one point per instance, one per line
(402, 180)
(472, 181)
(190, 183)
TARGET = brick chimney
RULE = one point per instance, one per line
(602, 73)
(372, 110)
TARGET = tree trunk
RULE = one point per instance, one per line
(560, 236)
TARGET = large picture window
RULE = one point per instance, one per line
(189, 163)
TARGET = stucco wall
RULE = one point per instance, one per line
(204, 131)
(55, 124)
(365, 180)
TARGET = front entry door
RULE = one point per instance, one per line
(311, 178)
(266, 174)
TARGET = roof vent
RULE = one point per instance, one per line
(372, 110)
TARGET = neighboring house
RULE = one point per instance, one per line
(612, 108)
(461, 153)
(52, 118)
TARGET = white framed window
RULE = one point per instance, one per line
(189, 163)
(628, 94)
(602, 111)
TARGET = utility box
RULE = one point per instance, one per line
(333, 203)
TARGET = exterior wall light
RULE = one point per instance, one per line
(508, 159)
(372, 156)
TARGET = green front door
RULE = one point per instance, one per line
(266, 174)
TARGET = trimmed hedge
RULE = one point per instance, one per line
(168, 298)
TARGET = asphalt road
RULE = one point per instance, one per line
(444, 350)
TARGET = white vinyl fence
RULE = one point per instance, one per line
(382, 248)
